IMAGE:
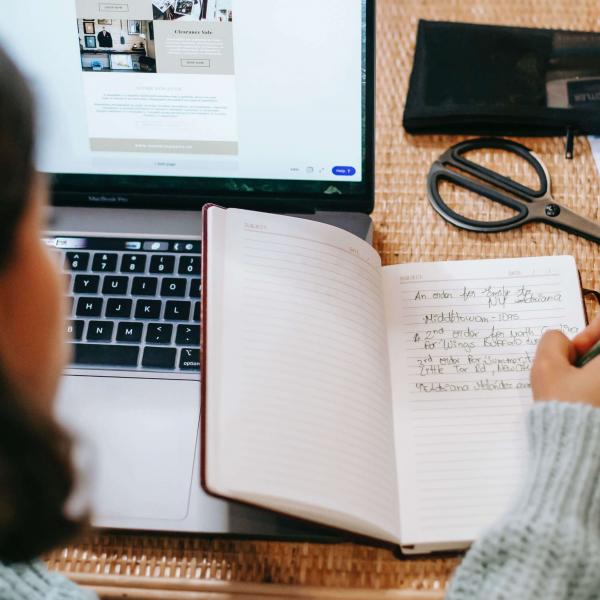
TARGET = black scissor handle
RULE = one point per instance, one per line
(455, 157)
(440, 173)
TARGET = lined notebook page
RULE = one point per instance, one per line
(462, 338)
(305, 403)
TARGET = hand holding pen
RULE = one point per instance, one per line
(565, 370)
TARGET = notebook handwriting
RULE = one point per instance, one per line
(458, 331)
(463, 345)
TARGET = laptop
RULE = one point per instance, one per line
(149, 109)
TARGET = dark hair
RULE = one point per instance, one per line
(16, 151)
(36, 479)
(36, 474)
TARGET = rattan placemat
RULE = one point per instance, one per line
(162, 566)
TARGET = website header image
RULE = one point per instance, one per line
(193, 10)
(110, 45)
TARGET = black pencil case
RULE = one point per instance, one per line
(490, 80)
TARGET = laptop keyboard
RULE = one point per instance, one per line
(134, 304)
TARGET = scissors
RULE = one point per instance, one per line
(531, 205)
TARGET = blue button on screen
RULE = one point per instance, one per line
(344, 171)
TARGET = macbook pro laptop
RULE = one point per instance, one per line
(149, 109)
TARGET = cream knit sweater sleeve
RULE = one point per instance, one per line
(548, 545)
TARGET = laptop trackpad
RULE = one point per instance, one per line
(142, 437)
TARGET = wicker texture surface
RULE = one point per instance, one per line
(407, 230)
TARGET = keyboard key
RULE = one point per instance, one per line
(177, 310)
(148, 309)
(159, 333)
(162, 265)
(100, 331)
(188, 335)
(89, 307)
(86, 284)
(70, 301)
(195, 288)
(173, 288)
(133, 263)
(159, 358)
(189, 265)
(115, 286)
(104, 263)
(144, 286)
(190, 359)
(110, 355)
(77, 261)
(75, 330)
(197, 312)
(130, 332)
(119, 308)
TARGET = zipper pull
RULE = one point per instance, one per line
(570, 145)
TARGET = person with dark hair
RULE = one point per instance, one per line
(36, 474)
(547, 546)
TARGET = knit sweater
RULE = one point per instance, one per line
(548, 544)
(34, 582)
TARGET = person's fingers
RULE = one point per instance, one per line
(584, 340)
(553, 361)
(555, 350)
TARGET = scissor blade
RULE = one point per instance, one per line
(571, 222)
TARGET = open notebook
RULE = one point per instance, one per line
(385, 401)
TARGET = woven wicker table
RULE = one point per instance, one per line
(138, 565)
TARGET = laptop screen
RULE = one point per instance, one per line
(238, 97)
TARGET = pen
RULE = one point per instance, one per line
(588, 356)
